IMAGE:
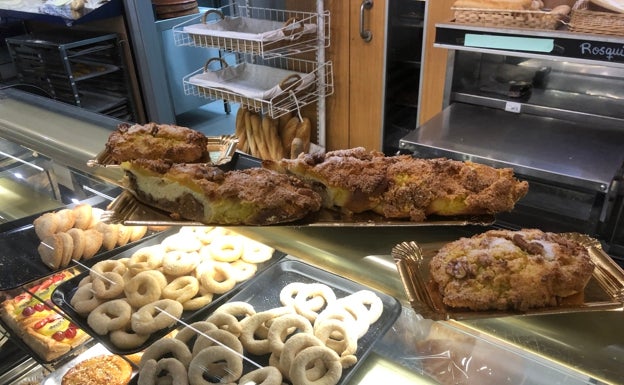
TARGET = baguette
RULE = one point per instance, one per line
(261, 144)
(274, 143)
(240, 131)
(304, 132)
(513, 5)
(288, 132)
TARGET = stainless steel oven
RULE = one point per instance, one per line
(555, 117)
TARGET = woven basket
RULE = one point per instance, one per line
(587, 21)
(507, 18)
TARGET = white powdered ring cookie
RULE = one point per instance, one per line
(256, 252)
(108, 285)
(142, 289)
(168, 368)
(220, 280)
(209, 360)
(226, 248)
(267, 375)
(181, 289)
(127, 339)
(84, 300)
(146, 258)
(242, 271)
(285, 326)
(156, 316)
(238, 309)
(178, 262)
(226, 322)
(310, 355)
(110, 315)
(292, 347)
(181, 242)
(167, 347)
(307, 305)
(217, 337)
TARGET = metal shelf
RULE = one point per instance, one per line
(533, 43)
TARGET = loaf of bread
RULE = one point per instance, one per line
(494, 4)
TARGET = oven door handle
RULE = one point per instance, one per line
(366, 35)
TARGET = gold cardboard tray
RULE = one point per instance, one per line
(219, 148)
(128, 210)
(605, 290)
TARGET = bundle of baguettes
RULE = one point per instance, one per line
(272, 139)
(512, 5)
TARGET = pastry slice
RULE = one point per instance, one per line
(204, 193)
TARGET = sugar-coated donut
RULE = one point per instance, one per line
(156, 316)
(267, 375)
(146, 258)
(127, 339)
(83, 214)
(218, 337)
(167, 347)
(219, 279)
(256, 252)
(79, 241)
(142, 289)
(191, 332)
(310, 355)
(84, 300)
(181, 288)
(226, 248)
(292, 347)
(242, 271)
(170, 369)
(210, 361)
(46, 224)
(124, 233)
(67, 218)
(285, 326)
(110, 315)
(179, 262)
(110, 233)
(137, 232)
(181, 241)
(108, 285)
(93, 243)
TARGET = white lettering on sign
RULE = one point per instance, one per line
(608, 52)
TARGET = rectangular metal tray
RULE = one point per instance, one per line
(63, 294)
(128, 210)
(605, 290)
(263, 293)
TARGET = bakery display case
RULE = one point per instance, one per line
(408, 347)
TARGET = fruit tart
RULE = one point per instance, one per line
(32, 317)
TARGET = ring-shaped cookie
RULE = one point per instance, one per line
(289, 293)
(146, 258)
(267, 375)
(250, 327)
(226, 322)
(127, 339)
(156, 316)
(110, 315)
(142, 289)
(292, 347)
(108, 285)
(226, 248)
(84, 299)
(178, 262)
(238, 309)
(371, 301)
(336, 335)
(311, 355)
(189, 334)
(167, 368)
(256, 252)
(105, 266)
(181, 241)
(219, 280)
(218, 337)
(242, 271)
(167, 347)
(306, 303)
(209, 360)
(181, 289)
(285, 326)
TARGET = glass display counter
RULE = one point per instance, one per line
(580, 348)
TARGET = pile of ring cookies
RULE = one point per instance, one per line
(78, 234)
(310, 339)
(129, 299)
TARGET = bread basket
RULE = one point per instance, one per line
(586, 20)
(507, 18)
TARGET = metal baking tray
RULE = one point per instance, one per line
(264, 292)
(220, 149)
(64, 292)
(605, 290)
(128, 210)
(23, 345)
(20, 261)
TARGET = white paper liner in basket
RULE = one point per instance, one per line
(252, 29)
(253, 80)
